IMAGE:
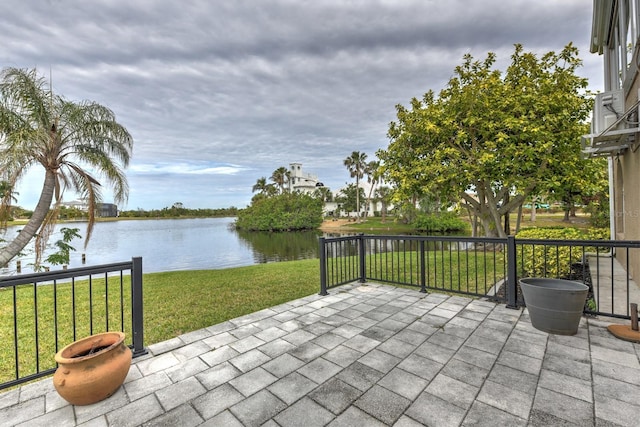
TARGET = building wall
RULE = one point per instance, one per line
(626, 197)
(615, 34)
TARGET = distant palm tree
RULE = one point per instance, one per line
(280, 177)
(323, 193)
(384, 195)
(70, 141)
(356, 164)
(260, 186)
(373, 177)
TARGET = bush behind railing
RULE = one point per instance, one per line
(555, 260)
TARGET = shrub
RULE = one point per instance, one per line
(284, 212)
(441, 223)
(542, 260)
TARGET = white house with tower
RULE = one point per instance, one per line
(302, 181)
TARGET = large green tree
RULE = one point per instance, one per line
(78, 145)
(490, 139)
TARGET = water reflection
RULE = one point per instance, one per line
(273, 247)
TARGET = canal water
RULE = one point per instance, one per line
(178, 244)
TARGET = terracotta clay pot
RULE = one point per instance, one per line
(92, 369)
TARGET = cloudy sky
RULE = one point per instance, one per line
(218, 93)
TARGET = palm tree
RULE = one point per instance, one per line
(75, 143)
(384, 195)
(356, 164)
(323, 193)
(260, 186)
(373, 177)
(280, 177)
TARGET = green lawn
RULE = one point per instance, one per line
(174, 303)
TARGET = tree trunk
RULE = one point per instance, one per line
(357, 199)
(31, 228)
(533, 211)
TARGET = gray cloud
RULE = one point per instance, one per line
(260, 84)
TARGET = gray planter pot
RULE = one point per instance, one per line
(555, 305)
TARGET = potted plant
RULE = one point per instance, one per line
(93, 368)
(555, 305)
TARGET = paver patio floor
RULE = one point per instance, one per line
(366, 355)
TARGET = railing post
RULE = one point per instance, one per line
(323, 267)
(363, 270)
(511, 285)
(423, 269)
(136, 307)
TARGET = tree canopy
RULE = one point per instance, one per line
(490, 139)
(77, 144)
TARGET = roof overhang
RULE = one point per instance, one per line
(602, 24)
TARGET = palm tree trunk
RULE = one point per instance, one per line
(36, 220)
(357, 198)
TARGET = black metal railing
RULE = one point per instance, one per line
(483, 267)
(43, 312)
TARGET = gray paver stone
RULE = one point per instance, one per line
(225, 419)
(507, 399)
(565, 384)
(135, 413)
(219, 374)
(403, 383)
(307, 410)
(382, 404)
(283, 365)
(354, 417)
(183, 416)
(308, 351)
(253, 381)
(379, 360)
(217, 400)
(482, 415)
(433, 411)
(292, 387)
(147, 385)
(453, 391)
(342, 356)
(62, 417)
(335, 395)
(186, 369)
(319, 370)
(179, 393)
(257, 409)
(249, 360)
(565, 407)
(421, 366)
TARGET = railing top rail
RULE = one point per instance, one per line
(47, 276)
(558, 242)
(416, 237)
(555, 242)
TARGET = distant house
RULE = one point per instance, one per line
(107, 210)
(615, 34)
(76, 204)
(103, 210)
(301, 181)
